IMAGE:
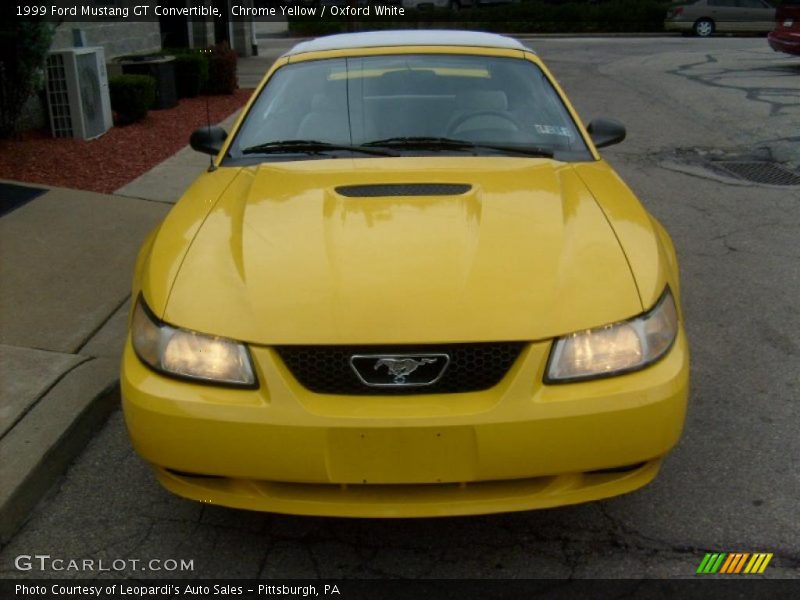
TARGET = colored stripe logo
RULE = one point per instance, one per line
(734, 563)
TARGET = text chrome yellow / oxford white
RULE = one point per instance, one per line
(452, 307)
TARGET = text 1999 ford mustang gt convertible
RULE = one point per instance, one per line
(409, 286)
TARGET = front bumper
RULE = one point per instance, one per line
(783, 42)
(517, 446)
(387, 501)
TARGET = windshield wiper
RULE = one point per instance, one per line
(309, 147)
(421, 142)
(442, 143)
(526, 150)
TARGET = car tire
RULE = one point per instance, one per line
(703, 27)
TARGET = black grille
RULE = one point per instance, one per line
(403, 189)
(473, 367)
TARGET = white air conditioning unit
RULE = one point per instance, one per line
(77, 93)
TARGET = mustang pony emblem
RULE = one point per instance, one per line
(400, 368)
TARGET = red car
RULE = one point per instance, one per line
(786, 35)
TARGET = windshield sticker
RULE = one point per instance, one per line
(552, 130)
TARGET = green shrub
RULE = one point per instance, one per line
(529, 16)
(23, 48)
(191, 71)
(131, 96)
(221, 70)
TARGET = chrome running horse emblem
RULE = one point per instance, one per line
(399, 370)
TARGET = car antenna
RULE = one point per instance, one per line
(211, 167)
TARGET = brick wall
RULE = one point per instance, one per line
(117, 38)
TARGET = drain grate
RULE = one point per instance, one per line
(763, 172)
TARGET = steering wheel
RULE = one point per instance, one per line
(459, 121)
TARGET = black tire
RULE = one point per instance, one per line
(704, 28)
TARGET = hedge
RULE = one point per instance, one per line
(23, 50)
(222, 77)
(533, 16)
(131, 96)
(191, 74)
(208, 70)
(191, 70)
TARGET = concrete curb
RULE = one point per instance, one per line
(53, 432)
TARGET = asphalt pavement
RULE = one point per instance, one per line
(733, 482)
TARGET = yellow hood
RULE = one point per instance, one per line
(283, 258)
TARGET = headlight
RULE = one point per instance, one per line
(616, 348)
(189, 354)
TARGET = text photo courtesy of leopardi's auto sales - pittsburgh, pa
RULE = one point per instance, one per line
(398, 299)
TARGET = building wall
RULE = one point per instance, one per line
(117, 38)
(202, 33)
(133, 37)
(242, 40)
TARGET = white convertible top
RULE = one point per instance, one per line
(407, 37)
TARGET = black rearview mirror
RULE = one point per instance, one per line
(208, 140)
(606, 132)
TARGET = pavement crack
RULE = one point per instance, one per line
(262, 563)
(631, 538)
(755, 93)
(313, 560)
(100, 326)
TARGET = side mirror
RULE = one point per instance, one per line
(606, 132)
(208, 140)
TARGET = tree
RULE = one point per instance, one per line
(24, 43)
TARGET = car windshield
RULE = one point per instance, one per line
(417, 104)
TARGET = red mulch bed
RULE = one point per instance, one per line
(117, 157)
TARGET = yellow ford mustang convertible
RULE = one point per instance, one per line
(407, 286)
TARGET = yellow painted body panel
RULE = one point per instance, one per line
(399, 501)
(284, 259)
(162, 254)
(273, 254)
(647, 247)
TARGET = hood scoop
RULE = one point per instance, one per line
(383, 190)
